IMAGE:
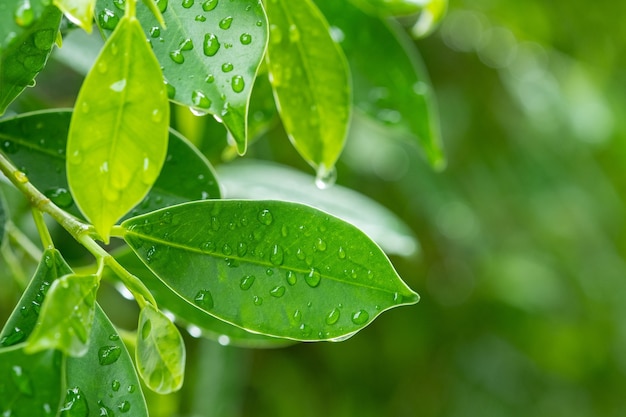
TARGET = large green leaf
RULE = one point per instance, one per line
(30, 385)
(104, 380)
(35, 143)
(66, 316)
(398, 94)
(258, 179)
(187, 313)
(28, 30)
(311, 82)
(277, 268)
(117, 140)
(210, 53)
(160, 353)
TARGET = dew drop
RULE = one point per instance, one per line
(227, 250)
(238, 84)
(208, 246)
(187, 3)
(17, 335)
(297, 315)
(226, 22)
(291, 278)
(209, 5)
(108, 354)
(211, 44)
(300, 254)
(242, 249)
(360, 317)
(257, 300)
(43, 39)
(200, 18)
(105, 411)
(246, 282)
(227, 67)
(204, 299)
(162, 5)
(341, 253)
(171, 90)
(305, 330)
(124, 406)
(186, 45)
(278, 291)
(245, 39)
(277, 255)
(21, 380)
(75, 404)
(320, 245)
(131, 388)
(155, 32)
(210, 79)
(107, 19)
(325, 178)
(333, 316)
(265, 217)
(60, 196)
(24, 15)
(313, 278)
(177, 56)
(397, 297)
(269, 272)
(120, 4)
(200, 100)
(115, 385)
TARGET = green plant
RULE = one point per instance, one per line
(256, 273)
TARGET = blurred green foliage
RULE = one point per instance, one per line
(521, 269)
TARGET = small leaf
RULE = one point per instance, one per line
(36, 142)
(220, 42)
(311, 82)
(27, 33)
(430, 18)
(276, 268)
(160, 353)
(118, 135)
(257, 179)
(66, 316)
(30, 385)
(104, 379)
(391, 83)
(79, 12)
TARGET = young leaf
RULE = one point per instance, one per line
(160, 353)
(397, 95)
(36, 142)
(30, 385)
(104, 380)
(187, 313)
(66, 316)
(276, 268)
(258, 179)
(311, 82)
(118, 135)
(79, 12)
(27, 32)
(210, 53)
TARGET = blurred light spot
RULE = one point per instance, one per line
(124, 291)
(456, 221)
(223, 340)
(337, 34)
(194, 331)
(497, 47)
(463, 30)
(392, 162)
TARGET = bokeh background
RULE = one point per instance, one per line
(521, 262)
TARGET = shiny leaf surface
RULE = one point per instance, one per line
(79, 12)
(277, 268)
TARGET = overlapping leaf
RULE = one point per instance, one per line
(277, 268)
(117, 140)
(311, 82)
(210, 53)
(79, 12)
(28, 29)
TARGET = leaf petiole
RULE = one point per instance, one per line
(42, 228)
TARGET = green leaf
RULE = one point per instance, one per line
(66, 316)
(311, 82)
(79, 12)
(210, 53)
(257, 179)
(118, 135)
(397, 95)
(160, 353)
(35, 143)
(27, 32)
(25, 315)
(196, 319)
(430, 18)
(392, 7)
(30, 385)
(104, 380)
(277, 268)
(4, 217)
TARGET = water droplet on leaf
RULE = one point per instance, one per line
(360, 317)
(75, 404)
(209, 5)
(162, 5)
(186, 45)
(204, 299)
(155, 32)
(291, 278)
(177, 56)
(245, 39)
(200, 18)
(333, 316)
(277, 255)
(257, 300)
(146, 329)
(227, 67)
(115, 385)
(107, 19)
(22, 381)
(277, 291)
(108, 354)
(211, 44)
(313, 278)
(265, 217)
(246, 282)
(24, 15)
(187, 3)
(199, 99)
(238, 84)
(226, 22)
(60, 196)
(124, 406)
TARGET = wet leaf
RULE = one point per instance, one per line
(79, 12)
(66, 316)
(35, 143)
(118, 137)
(311, 82)
(400, 95)
(276, 268)
(160, 353)
(220, 43)
(27, 32)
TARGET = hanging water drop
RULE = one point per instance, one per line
(211, 44)
(325, 178)
(24, 15)
(75, 404)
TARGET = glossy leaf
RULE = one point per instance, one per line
(79, 12)
(66, 316)
(30, 385)
(27, 32)
(210, 53)
(25, 315)
(198, 322)
(398, 95)
(118, 135)
(277, 268)
(104, 380)
(311, 82)
(392, 7)
(430, 18)
(258, 179)
(35, 143)
(160, 353)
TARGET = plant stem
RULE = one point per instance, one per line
(44, 233)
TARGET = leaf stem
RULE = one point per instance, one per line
(42, 228)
